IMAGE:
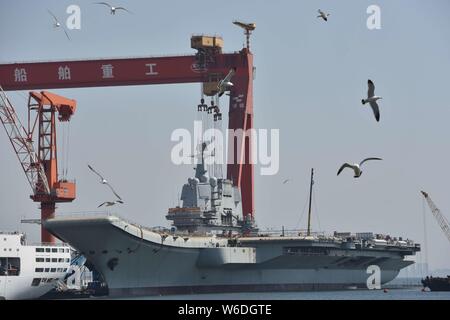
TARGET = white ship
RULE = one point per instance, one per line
(30, 271)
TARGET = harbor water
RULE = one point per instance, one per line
(391, 294)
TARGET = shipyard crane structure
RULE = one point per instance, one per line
(440, 218)
(40, 164)
(208, 66)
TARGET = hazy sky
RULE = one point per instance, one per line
(310, 79)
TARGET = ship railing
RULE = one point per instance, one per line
(10, 233)
(397, 244)
(291, 233)
(85, 214)
(48, 244)
(322, 236)
(106, 214)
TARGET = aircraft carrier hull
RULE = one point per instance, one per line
(138, 261)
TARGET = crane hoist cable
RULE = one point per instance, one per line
(63, 153)
(425, 235)
(67, 151)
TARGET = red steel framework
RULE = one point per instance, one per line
(199, 68)
(41, 168)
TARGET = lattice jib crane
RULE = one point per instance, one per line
(41, 167)
(23, 146)
(440, 218)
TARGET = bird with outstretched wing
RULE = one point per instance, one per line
(104, 181)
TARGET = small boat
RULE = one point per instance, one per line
(437, 283)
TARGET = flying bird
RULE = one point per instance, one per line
(104, 181)
(286, 181)
(246, 26)
(356, 167)
(112, 8)
(57, 24)
(110, 203)
(323, 15)
(372, 99)
(226, 83)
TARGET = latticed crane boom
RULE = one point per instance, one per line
(23, 146)
(41, 167)
(440, 218)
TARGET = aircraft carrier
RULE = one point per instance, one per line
(210, 249)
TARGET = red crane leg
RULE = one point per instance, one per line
(47, 212)
(240, 171)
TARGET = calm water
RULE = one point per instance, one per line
(392, 294)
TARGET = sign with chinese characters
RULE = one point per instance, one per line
(107, 70)
(64, 73)
(111, 72)
(20, 75)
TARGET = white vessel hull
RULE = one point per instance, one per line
(30, 271)
(19, 288)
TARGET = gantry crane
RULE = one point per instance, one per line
(208, 66)
(440, 218)
(41, 167)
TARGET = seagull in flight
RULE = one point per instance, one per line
(226, 83)
(110, 203)
(104, 181)
(323, 15)
(57, 24)
(372, 99)
(113, 8)
(356, 167)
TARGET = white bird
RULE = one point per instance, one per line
(110, 203)
(356, 167)
(372, 99)
(323, 15)
(57, 24)
(226, 83)
(104, 181)
(113, 8)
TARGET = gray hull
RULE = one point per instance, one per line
(138, 261)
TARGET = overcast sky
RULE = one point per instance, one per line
(310, 78)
